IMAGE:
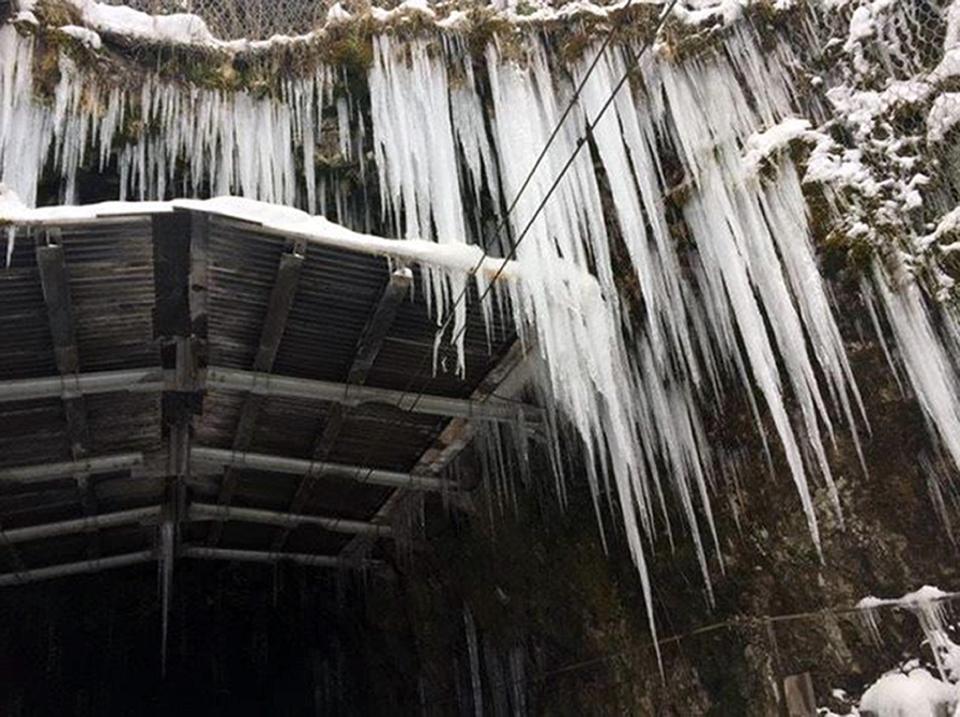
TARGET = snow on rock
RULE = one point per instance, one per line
(407, 7)
(174, 29)
(913, 694)
(920, 599)
(191, 30)
(947, 227)
(944, 116)
(760, 146)
(861, 108)
(87, 37)
(337, 14)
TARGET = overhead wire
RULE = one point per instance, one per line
(514, 245)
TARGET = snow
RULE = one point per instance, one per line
(177, 28)
(862, 107)
(337, 14)
(405, 8)
(26, 16)
(88, 37)
(915, 694)
(944, 116)
(456, 258)
(191, 30)
(762, 145)
(836, 167)
(702, 13)
(948, 226)
(910, 601)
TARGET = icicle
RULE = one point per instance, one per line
(474, 653)
(167, 538)
(929, 368)
(416, 158)
(929, 606)
(869, 614)
(231, 142)
(939, 482)
(11, 242)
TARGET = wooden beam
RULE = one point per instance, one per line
(274, 324)
(368, 347)
(62, 469)
(201, 511)
(55, 283)
(317, 469)
(259, 556)
(378, 325)
(42, 531)
(147, 380)
(152, 515)
(180, 242)
(84, 566)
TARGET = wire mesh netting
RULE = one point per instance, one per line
(231, 19)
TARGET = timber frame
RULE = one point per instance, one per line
(222, 392)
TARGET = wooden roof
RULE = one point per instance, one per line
(181, 300)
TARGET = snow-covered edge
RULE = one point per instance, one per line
(454, 257)
(190, 30)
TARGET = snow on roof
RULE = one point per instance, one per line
(453, 257)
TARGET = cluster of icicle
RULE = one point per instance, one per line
(228, 142)
(748, 304)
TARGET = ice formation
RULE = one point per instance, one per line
(913, 690)
(702, 141)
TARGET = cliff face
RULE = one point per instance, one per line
(736, 261)
(539, 584)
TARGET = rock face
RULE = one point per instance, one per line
(540, 584)
(740, 279)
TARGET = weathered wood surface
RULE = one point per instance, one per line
(278, 310)
(368, 347)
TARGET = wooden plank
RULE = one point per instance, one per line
(171, 274)
(368, 347)
(378, 325)
(199, 279)
(56, 295)
(54, 280)
(274, 323)
(800, 699)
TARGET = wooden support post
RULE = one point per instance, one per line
(800, 699)
(274, 324)
(54, 280)
(179, 323)
(368, 347)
